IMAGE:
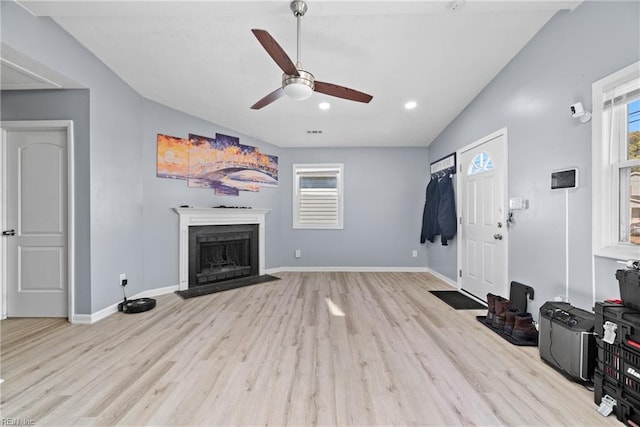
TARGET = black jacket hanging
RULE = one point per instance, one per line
(430, 214)
(447, 221)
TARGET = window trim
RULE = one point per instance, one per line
(605, 194)
(300, 168)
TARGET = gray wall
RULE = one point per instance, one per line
(115, 155)
(124, 210)
(64, 105)
(384, 194)
(383, 197)
(162, 194)
(531, 97)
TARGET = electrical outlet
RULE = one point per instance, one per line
(414, 254)
(123, 279)
(298, 253)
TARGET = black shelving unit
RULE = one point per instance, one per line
(617, 372)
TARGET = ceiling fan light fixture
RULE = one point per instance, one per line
(299, 87)
(298, 91)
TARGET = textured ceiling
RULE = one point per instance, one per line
(201, 58)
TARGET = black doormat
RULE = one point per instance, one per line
(459, 301)
(512, 340)
(197, 291)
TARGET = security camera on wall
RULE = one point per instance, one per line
(578, 112)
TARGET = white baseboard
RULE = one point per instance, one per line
(81, 319)
(107, 311)
(156, 292)
(444, 278)
(351, 269)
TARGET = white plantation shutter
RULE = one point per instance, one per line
(317, 196)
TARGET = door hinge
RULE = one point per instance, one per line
(460, 220)
(460, 273)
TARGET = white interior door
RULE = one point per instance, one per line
(482, 249)
(35, 226)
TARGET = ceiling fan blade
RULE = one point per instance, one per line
(268, 99)
(342, 92)
(276, 52)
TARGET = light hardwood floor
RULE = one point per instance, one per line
(273, 354)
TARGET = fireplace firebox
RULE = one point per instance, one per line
(222, 252)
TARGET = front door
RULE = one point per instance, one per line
(35, 226)
(482, 177)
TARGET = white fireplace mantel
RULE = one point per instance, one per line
(193, 217)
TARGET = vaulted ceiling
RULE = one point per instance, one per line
(201, 58)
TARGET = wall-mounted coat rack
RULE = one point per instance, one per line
(444, 166)
(439, 216)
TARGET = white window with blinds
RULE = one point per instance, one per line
(616, 164)
(318, 200)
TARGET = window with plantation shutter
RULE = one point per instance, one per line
(317, 196)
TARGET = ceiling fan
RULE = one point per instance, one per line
(297, 83)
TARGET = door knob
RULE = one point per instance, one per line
(9, 233)
(497, 236)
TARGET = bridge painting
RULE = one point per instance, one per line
(220, 163)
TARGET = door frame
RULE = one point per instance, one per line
(29, 125)
(459, 202)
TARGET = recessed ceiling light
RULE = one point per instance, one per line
(324, 105)
(410, 105)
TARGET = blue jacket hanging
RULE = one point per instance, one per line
(430, 213)
(447, 221)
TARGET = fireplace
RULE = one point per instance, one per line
(222, 252)
(233, 221)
